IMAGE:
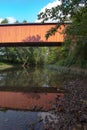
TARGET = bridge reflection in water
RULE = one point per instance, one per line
(28, 101)
(27, 110)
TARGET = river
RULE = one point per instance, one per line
(31, 77)
(28, 97)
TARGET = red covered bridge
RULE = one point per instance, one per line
(29, 34)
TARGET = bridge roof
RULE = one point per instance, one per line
(22, 24)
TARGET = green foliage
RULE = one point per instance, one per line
(16, 21)
(24, 21)
(74, 50)
(61, 13)
(54, 54)
(76, 39)
(24, 55)
(4, 21)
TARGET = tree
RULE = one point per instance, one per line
(76, 39)
(4, 21)
(24, 21)
(16, 21)
(61, 13)
(75, 44)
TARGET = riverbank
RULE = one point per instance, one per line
(68, 70)
(5, 66)
(59, 69)
(71, 111)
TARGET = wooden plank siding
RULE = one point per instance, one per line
(29, 34)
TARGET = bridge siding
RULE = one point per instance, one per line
(18, 33)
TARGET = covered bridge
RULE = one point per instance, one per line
(29, 34)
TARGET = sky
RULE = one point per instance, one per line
(24, 9)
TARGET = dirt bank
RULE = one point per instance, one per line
(72, 112)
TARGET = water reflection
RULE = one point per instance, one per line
(28, 101)
(25, 120)
(21, 108)
(19, 120)
(31, 77)
(27, 111)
